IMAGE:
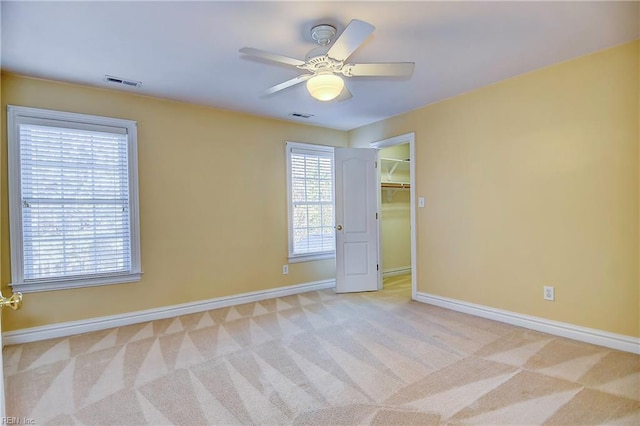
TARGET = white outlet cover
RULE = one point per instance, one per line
(549, 293)
(420, 201)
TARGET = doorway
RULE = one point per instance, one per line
(396, 204)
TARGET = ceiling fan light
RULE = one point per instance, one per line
(325, 87)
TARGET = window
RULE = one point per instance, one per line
(311, 202)
(73, 200)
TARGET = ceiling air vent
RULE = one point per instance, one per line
(118, 80)
(300, 115)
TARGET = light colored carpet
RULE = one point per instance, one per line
(322, 359)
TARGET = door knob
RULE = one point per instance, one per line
(14, 301)
(339, 227)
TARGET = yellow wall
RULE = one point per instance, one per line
(530, 182)
(2, 132)
(213, 209)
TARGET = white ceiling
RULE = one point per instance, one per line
(189, 50)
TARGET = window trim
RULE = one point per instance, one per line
(17, 115)
(307, 257)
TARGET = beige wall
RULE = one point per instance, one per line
(212, 202)
(529, 182)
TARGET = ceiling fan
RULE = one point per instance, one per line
(326, 65)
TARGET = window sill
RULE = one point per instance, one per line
(33, 287)
(311, 257)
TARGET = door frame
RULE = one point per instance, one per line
(385, 143)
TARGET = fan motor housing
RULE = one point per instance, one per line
(319, 63)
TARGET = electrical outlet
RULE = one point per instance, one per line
(285, 269)
(549, 293)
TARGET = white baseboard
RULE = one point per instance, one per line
(392, 272)
(575, 332)
(33, 334)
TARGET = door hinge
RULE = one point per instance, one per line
(377, 267)
(376, 164)
(376, 215)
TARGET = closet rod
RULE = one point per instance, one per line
(395, 185)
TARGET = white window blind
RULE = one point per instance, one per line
(311, 201)
(75, 203)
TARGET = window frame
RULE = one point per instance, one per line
(17, 115)
(306, 257)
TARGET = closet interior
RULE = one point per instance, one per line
(395, 221)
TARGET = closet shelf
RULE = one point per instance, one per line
(391, 165)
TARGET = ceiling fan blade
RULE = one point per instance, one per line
(344, 95)
(275, 57)
(351, 38)
(389, 69)
(288, 83)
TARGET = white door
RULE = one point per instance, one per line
(356, 220)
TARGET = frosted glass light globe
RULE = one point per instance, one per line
(325, 87)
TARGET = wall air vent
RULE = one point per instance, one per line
(118, 80)
(300, 115)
